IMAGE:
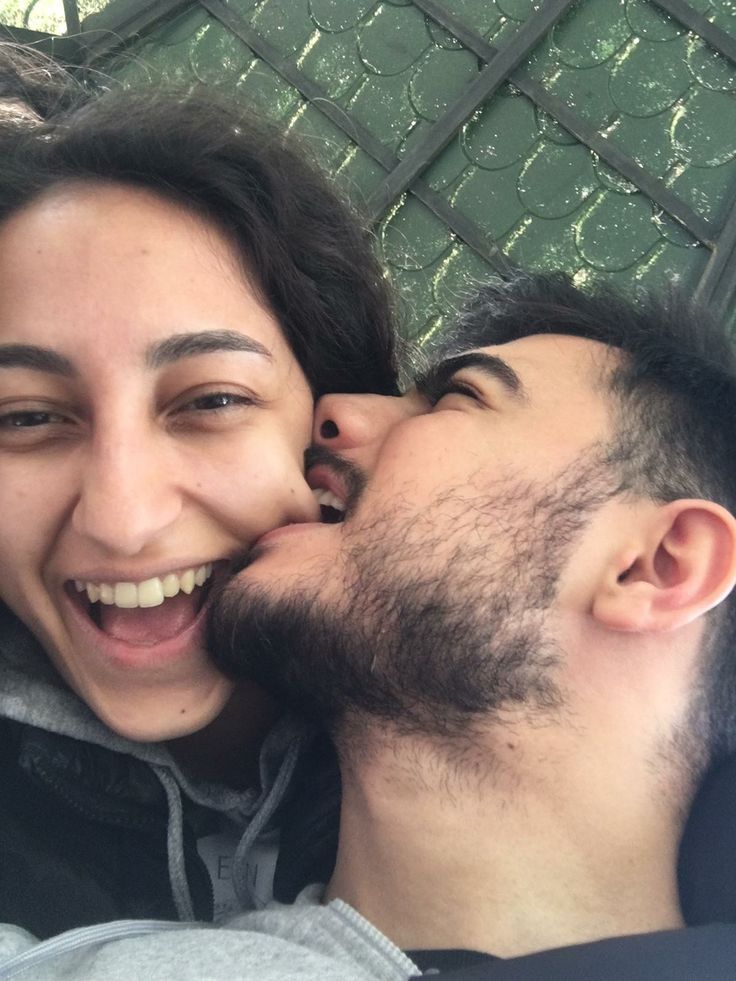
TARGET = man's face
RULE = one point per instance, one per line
(431, 599)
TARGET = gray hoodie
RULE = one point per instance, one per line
(31, 692)
(303, 942)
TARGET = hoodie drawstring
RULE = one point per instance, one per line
(175, 846)
(241, 880)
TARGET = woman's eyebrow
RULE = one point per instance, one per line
(36, 358)
(202, 342)
(439, 374)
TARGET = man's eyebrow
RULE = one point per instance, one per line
(202, 342)
(36, 358)
(433, 380)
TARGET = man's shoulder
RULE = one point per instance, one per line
(306, 941)
(334, 931)
(670, 955)
(223, 954)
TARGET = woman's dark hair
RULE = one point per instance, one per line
(33, 82)
(674, 398)
(302, 247)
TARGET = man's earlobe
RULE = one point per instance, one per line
(683, 566)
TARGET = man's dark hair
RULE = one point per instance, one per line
(302, 248)
(674, 392)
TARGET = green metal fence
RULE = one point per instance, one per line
(597, 136)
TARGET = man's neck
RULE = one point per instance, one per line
(441, 852)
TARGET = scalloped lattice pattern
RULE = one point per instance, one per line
(656, 91)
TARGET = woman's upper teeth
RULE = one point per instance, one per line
(328, 499)
(150, 592)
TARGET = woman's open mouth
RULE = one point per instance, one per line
(144, 613)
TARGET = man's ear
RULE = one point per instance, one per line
(683, 565)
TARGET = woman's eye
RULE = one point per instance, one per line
(30, 419)
(26, 429)
(216, 408)
(217, 401)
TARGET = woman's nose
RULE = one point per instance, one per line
(127, 499)
(350, 422)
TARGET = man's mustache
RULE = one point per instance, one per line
(351, 476)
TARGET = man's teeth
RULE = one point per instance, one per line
(150, 592)
(328, 499)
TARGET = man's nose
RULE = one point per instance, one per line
(361, 422)
(128, 496)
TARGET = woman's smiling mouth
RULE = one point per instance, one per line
(145, 613)
(146, 594)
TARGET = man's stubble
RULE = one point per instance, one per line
(442, 618)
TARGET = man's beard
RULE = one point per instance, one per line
(442, 615)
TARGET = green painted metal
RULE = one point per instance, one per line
(610, 151)
(57, 17)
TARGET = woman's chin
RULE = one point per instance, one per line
(161, 714)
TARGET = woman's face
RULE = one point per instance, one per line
(152, 425)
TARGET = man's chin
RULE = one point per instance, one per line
(242, 628)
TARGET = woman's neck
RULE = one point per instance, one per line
(228, 749)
